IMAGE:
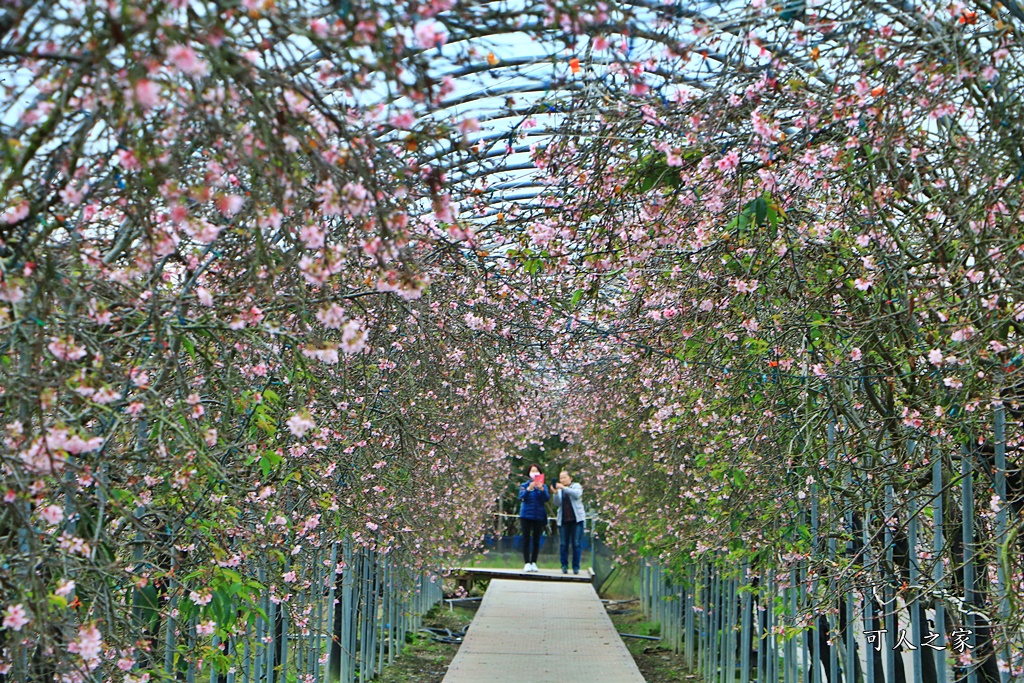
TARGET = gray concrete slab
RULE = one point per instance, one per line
(538, 632)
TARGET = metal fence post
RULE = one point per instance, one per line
(999, 437)
(967, 500)
(888, 595)
(938, 546)
(914, 576)
(771, 644)
(831, 619)
(869, 609)
(745, 628)
(732, 636)
(691, 595)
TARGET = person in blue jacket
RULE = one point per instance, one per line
(533, 517)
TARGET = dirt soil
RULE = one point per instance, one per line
(423, 660)
(657, 664)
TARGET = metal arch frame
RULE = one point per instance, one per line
(547, 94)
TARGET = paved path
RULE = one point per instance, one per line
(542, 632)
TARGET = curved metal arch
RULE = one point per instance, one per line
(483, 88)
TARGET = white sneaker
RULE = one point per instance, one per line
(526, 567)
(533, 567)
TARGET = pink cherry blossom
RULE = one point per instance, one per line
(52, 514)
(89, 645)
(430, 33)
(469, 125)
(230, 204)
(353, 337)
(11, 293)
(66, 349)
(300, 423)
(328, 354)
(201, 598)
(59, 439)
(962, 334)
(743, 287)
(185, 59)
(312, 236)
(147, 93)
(15, 212)
(319, 27)
(332, 317)
(105, 395)
(15, 617)
(404, 120)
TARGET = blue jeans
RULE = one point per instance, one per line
(572, 533)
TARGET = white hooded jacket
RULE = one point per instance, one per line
(575, 494)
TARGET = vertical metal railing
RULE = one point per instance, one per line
(1003, 588)
(763, 623)
(343, 617)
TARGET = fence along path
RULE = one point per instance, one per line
(542, 632)
(345, 619)
(743, 623)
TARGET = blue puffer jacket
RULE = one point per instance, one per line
(533, 502)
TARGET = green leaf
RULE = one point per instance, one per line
(576, 296)
(773, 222)
(760, 210)
(189, 347)
(269, 461)
(221, 605)
(265, 424)
(756, 346)
(234, 576)
(186, 608)
(122, 495)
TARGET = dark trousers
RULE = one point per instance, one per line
(572, 534)
(532, 529)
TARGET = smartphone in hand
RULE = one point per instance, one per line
(539, 481)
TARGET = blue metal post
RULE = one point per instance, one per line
(938, 546)
(999, 434)
(967, 487)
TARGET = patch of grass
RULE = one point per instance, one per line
(424, 660)
(657, 664)
(494, 560)
(643, 628)
(623, 583)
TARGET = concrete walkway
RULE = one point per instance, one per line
(542, 632)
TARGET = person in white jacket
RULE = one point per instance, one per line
(567, 496)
